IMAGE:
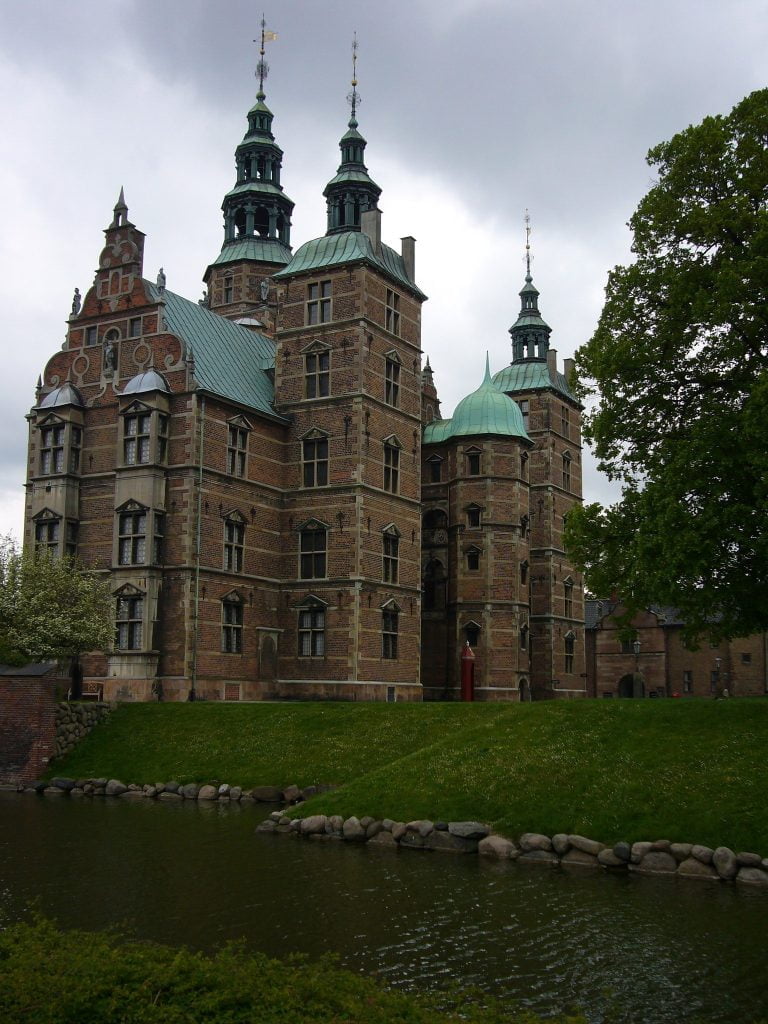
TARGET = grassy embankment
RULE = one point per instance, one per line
(54, 977)
(683, 770)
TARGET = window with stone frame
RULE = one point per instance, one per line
(312, 631)
(317, 366)
(473, 558)
(435, 469)
(568, 597)
(473, 461)
(687, 681)
(232, 624)
(474, 516)
(314, 457)
(524, 465)
(137, 435)
(392, 380)
(570, 646)
(319, 302)
(525, 408)
(228, 289)
(237, 448)
(565, 420)
(523, 573)
(52, 443)
(47, 535)
(313, 548)
(132, 526)
(524, 636)
(390, 620)
(392, 465)
(472, 634)
(134, 327)
(392, 312)
(390, 554)
(129, 620)
(234, 542)
(567, 471)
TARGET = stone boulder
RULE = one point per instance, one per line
(639, 850)
(267, 794)
(561, 844)
(206, 793)
(66, 784)
(681, 851)
(725, 862)
(313, 825)
(497, 847)
(657, 862)
(382, 839)
(191, 790)
(445, 842)
(546, 857)
(753, 876)
(468, 829)
(749, 860)
(530, 842)
(577, 858)
(115, 788)
(623, 851)
(694, 868)
(590, 846)
(291, 794)
(702, 853)
(353, 831)
(609, 859)
(412, 840)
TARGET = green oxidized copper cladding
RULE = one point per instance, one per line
(532, 375)
(487, 411)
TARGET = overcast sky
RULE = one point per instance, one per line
(474, 110)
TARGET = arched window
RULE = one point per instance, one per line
(390, 553)
(570, 644)
(234, 541)
(232, 623)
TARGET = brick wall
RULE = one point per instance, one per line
(27, 721)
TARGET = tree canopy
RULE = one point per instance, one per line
(675, 379)
(50, 608)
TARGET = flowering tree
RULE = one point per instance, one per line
(50, 608)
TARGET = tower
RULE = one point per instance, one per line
(257, 220)
(551, 415)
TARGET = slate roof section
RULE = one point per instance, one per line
(348, 247)
(595, 610)
(531, 375)
(230, 361)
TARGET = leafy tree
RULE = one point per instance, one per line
(50, 608)
(679, 365)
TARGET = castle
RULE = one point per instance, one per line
(266, 478)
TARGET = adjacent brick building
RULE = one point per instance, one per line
(267, 481)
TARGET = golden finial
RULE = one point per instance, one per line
(262, 68)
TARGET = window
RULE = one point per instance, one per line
(524, 637)
(525, 409)
(687, 681)
(47, 536)
(389, 624)
(435, 469)
(128, 622)
(570, 643)
(52, 448)
(319, 303)
(311, 632)
(392, 381)
(91, 336)
(232, 625)
(567, 471)
(392, 312)
(312, 553)
(565, 421)
(524, 465)
(75, 443)
(525, 523)
(434, 586)
(473, 559)
(134, 327)
(132, 537)
(473, 462)
(391, 555)
(746, 659)
(473, 516)
(316, 374)
(136, 438)
(228, 289)
(568, 598)
(234, 540)
(157, 538)
(70, 539)
(237, 446)
(472, 633)
(315, 456)
(627, 646)
(391, 467)
(523, 573)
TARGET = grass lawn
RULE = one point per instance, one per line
(687, 770)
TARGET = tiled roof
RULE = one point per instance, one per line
(229, 360)
(348, 247)
(595, 610)
(531, 375)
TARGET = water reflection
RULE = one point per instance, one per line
(656, 950)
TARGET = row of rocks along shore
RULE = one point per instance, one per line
(660, 857)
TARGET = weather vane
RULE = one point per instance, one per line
(528, 256)
(353, 98)
(262, 68)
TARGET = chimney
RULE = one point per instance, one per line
(552, 363)
(569, 366)
(370, 224)
(409, 256)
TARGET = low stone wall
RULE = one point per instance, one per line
(74, 721)
(223, 792)
(661, 857)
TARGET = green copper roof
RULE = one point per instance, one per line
(348, 247)
(265, 250)
(485, 411)
(531, 375)
(259, 188)
(352, 174)
(229, 360)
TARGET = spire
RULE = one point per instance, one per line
(120, 211)
(487, 378)
(351, 192)
(257, 213)
(530, 334)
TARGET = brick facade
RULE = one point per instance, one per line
(28, 699)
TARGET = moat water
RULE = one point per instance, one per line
(624, 949)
